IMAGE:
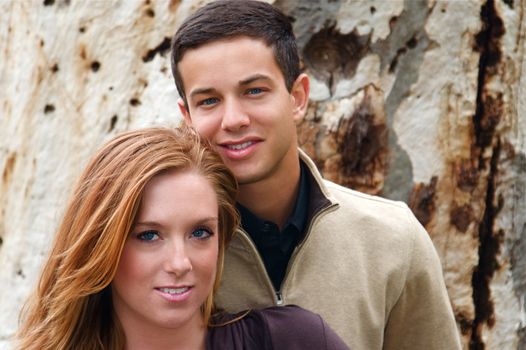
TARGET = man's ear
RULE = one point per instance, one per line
(184, 112)
(300, 94)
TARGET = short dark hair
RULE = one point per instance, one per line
(230, 18)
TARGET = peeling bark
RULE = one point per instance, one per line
(354, 154)
(420, 101)
(461, 217)
(422, 201)
(332, 56)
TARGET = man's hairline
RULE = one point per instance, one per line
(227, 38)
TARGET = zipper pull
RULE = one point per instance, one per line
(279, 299)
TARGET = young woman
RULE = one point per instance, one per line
(139, 254)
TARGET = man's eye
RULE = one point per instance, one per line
(254, 91)
(207, 101)
(201, 233)
(148, 236)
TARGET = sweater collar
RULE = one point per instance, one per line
(319, 195)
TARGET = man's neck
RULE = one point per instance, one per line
(272, 199)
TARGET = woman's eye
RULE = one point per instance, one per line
(148, 236)
(201, 233)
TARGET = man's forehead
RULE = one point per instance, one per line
(223, 41)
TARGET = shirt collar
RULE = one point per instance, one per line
(298, 218)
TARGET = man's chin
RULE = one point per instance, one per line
(244, 179)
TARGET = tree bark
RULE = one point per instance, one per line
(419, 101)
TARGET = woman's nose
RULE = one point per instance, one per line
(178, 261)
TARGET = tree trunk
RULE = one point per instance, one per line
(419, 101)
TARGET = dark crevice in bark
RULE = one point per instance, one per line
(485, 121)
(489, 246)
(160, 49)
(509, 3)
(487, 113)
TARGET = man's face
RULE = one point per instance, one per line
(237, 98)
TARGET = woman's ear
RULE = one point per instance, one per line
(184, 111)
(300, 95)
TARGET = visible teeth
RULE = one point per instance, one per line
(174, 290)
(240, 146)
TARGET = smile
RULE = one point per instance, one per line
(178, 294)
(240, 146)
(174, 290)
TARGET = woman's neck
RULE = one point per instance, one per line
(190, 336)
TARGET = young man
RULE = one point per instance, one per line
(363, 263)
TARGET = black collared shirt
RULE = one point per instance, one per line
(275, 246)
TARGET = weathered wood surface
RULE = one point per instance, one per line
(420, 101)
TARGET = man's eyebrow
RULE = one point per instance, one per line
(247, 81)
(254, 78)
(199, 91)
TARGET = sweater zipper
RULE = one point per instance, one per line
(279, 294)
(279, 299)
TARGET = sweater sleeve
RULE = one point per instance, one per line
(294, 328)
(422, 318)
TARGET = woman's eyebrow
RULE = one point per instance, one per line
(147, 223)
(210, 219)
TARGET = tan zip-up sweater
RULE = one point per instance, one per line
(366, 265)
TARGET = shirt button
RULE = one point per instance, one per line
(267, 227)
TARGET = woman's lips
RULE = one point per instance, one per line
(175, 294)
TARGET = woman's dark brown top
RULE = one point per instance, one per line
(274, 328)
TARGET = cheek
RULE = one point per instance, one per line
(132, 267)
(207, 264)
(207, 125)
(271, 114)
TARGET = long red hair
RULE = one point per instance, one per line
(72, 307)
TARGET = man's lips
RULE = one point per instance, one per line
(237, 150)
(239, 144)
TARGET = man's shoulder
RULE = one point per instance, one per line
(345, 196)
(373, 219)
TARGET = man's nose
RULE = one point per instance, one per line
(234, 117)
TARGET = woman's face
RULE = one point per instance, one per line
(168, 264)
